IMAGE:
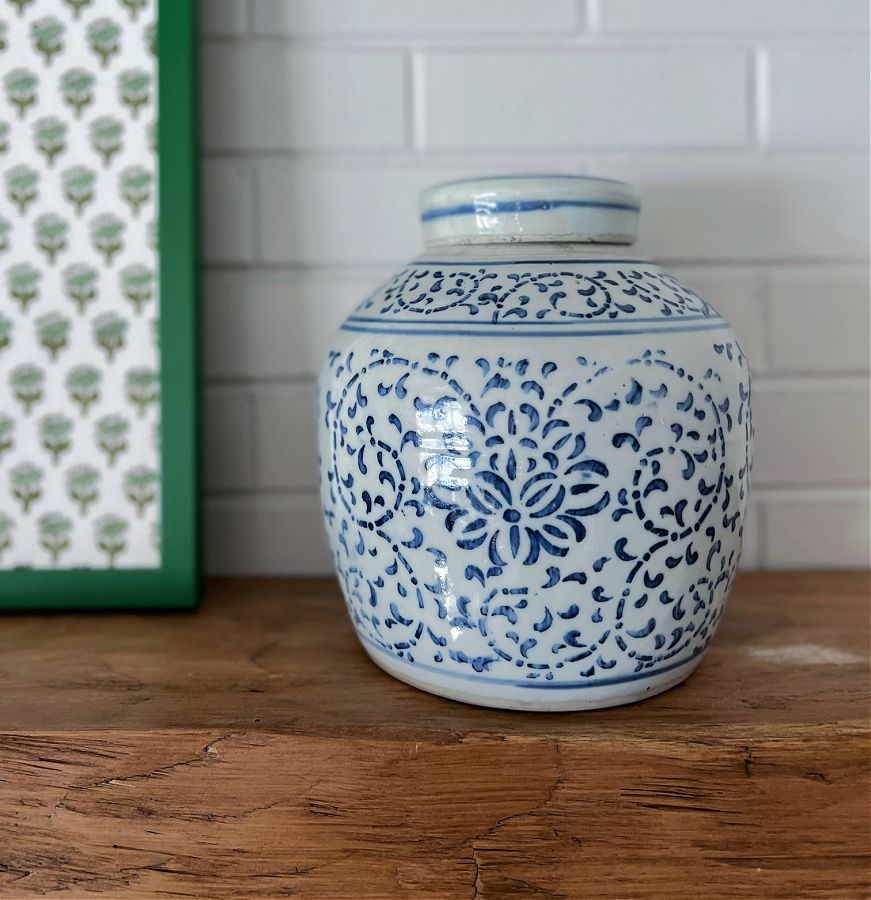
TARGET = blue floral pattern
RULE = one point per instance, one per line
(517, 518)
(525, 496)
(542, 292)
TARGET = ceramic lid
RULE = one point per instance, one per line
(513, 208)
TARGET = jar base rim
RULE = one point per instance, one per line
(536, 698)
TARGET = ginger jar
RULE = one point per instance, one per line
(535, 451)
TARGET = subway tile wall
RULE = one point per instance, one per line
(744, 126)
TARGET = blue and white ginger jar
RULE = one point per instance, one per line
(535, 451)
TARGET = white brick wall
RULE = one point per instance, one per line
(318, 100)
(744, 126)
(580, 96)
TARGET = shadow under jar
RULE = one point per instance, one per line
(535, 453)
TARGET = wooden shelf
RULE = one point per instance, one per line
(250, 749)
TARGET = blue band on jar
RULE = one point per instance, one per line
(511, 206)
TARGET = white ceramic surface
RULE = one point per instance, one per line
(529, 209)
(535, 456)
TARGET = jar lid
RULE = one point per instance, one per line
(513, 208)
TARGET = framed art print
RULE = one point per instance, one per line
(98, 402)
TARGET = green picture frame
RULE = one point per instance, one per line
(176, 582)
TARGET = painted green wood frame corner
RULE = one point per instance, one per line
(176, 582)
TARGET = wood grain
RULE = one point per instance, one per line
(251, 749)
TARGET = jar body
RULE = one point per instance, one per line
(534, 473)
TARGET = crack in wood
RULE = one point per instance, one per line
(688, 807)
(322, 808)
(209, 755)
(153, 773)
(20, 874)
(476, 884)
(525, 888)
(747, 762)
(818, 776)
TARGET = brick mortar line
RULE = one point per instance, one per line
(388, 267)
(412, 159)
(851, 381)
(545, 42)
(758, 97)
(593, 17)
(762, 556)
(816, 493)
(258, 492)
(228, 383)
(854, 382)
